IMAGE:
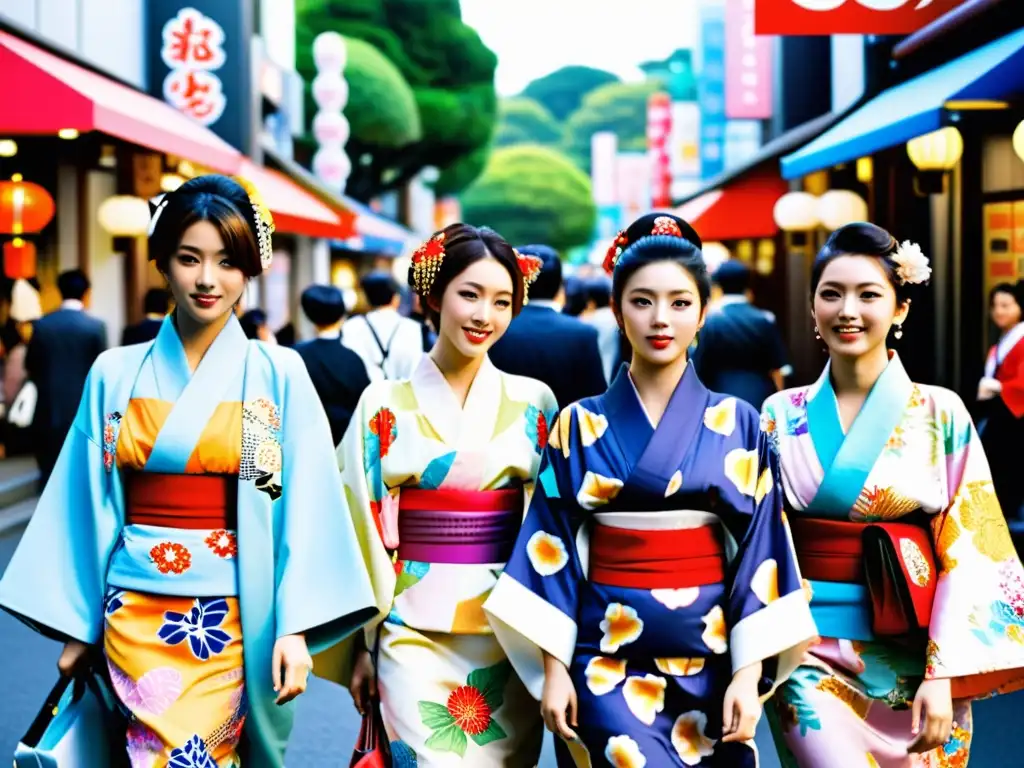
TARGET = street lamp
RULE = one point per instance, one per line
(934, 155)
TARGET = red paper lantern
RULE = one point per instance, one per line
(19, 259)
(25, 207)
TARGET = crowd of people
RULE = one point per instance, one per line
(499, 516)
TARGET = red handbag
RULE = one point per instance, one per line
(899, 568)
(372, 749)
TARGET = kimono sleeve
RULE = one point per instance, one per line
(322, 589)
(56, 580)
(533, 606)
(977, 625)
(768, 612)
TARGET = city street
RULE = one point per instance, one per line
(326, 725)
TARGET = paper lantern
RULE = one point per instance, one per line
(24, 207)
(715, 255)
(19, 259)
(332, 165)
(124, 216)
(796, 212)
(330, 91)
(331, 128)
(839, 207)
(936, 151)
(329, 51)
(1018, 140)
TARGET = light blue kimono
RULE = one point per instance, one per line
(299, 566)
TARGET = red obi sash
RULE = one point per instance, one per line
(461, 527)
(196, 502)
(662, 559)
(895, 560)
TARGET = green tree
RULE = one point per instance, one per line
(463, 172)
(525, 121)
(448, 68)
(563, 90)
(617, 107)
(533, 194)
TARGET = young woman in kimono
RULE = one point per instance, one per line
(654, 566)
(438, 470)
(917, 591)
(1001, 397)
(194, 524)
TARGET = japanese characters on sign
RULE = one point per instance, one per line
(193, 51)
(835, 17)
(748, 64)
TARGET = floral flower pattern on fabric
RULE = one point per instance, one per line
(621, 625)
(604, 674)
(153, 694)
(468, 711)
(223, 544)
(200, 627)
(144, 746)
(645, 696)
(547, 553)
(537, 428)
(111, 430)
(689, 739)
(385, 427)
(624, 752)
(171, 557)
(721, 418)
(262, 459)
(193, 754)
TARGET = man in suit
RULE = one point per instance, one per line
(155, 306)
(339, 375)
(544, 344)
(63, 348)
(740, 351)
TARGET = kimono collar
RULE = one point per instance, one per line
(170, 362)
(462, 426)
(1003, 348)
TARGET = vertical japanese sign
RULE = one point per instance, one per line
(711, 90)
(748, 65)
(659, 128)
(200, 63)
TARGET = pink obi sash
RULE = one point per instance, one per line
(462, 527)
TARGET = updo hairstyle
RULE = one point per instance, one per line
(862, 239)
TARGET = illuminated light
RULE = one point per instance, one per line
(68, 133)
(973, 104)
(936, 151)
(865, 170)
(8, 147)
(839, 207)
(124, 216)
(796, 212)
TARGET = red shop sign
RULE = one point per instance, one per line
(835, 17)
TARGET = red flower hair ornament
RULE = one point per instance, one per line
(530, 267)
(427, 260)
(662, 225)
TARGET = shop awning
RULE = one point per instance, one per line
(916, 107)
(739, 210)
(43, 93)
(296, 211)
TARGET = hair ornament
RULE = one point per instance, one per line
(911, 263)
(264, 221)
(156, 207)
(611, 258)
(666, 225)
(530, 266)
(426, 263)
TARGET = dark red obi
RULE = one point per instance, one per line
(461, 527)
(195, 502)
(829, 550)
(640, 559)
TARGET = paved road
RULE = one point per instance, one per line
(326, 725)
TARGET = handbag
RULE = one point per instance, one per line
(372, 749)
(23, 410)
(899, 568)
(64, 733)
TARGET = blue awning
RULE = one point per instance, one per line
(916, 107)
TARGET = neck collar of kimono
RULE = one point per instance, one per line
(171, 363)
(459, 425)
(1009, 341)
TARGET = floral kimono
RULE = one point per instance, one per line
(911, 455)
(654, 562)
(191, 520)
(438, 492)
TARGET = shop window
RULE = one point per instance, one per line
(1003, 250)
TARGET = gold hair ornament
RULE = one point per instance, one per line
(264, 222)
(426, 263)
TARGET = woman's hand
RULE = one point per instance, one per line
(290, 667)
(363, 685)
(742, 706)
(989, 388)
(558, 704)
(935, 702)
(72, 657)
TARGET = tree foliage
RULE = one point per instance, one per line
(617, 107)
(448, 69)
(525, 121)
(562, 91)
(533, 194)
(463, 172)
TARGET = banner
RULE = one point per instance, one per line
(711, 90)
(837, 17)
(748, 64)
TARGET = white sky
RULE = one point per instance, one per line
(535, 37)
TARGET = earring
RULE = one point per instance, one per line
(817, 335)
(899, 331)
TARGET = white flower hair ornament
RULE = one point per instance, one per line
(911, 264)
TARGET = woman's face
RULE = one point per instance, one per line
(855, 305)
(203, 282)
(661, 312)
(476, 307)
(1005, 310)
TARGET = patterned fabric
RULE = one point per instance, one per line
(415, 434)
(911, 450)
(650, 666)
(176, 664)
